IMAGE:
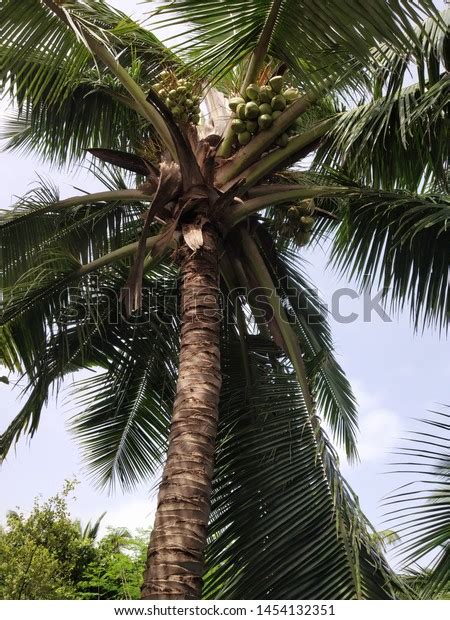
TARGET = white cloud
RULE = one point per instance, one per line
(366, 400)
(132, 515)
(379, 429)
(379, 432)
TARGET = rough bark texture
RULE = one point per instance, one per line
(175, 554)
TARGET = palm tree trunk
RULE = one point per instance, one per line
(175, 554)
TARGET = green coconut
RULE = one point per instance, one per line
(265, 108)
(234, 102)
(251, 111)
(189, 103)
(240, 111)
(278, 102)
(252, 92)
(290, 94)
(244, 137)
(238, 126)
(305, 207)
(265, 121)
(282, 140)
(307, 222)
(276, 114)
(266, 94)
(276, 83)
(302, 237)
(251, 126)
(173, 94)
(195, 118)
(181, 90)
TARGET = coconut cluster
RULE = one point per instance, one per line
(296, 222)
(259, 108)
(179, 96)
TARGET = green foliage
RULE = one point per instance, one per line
(396, 242)
(116, 571)
(42, 555)
(400, 243)
(273, 528)
(48, 555)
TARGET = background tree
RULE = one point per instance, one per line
(280, 509)
(47, 555)
(116, 571)
(43, 555)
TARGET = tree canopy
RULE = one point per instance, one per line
(49, 555)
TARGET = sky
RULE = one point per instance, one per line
(397, 376)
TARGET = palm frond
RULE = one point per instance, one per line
(397, 241)
(420, 510)
(400, 243)
(280, 524)
(330, 390)
(83, 328)
(61, 133)
(397, 141)
(9, 357)
(91, 529)
(36, 226)
(330, 387)
(426, 51)
(66, 103)
(337, 41)
(124, 412)
(399, 137)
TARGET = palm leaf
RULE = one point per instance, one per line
(331, 389)
(82, 328)
(396, 141)
(225, 33)
(277, 531)
(399, 136)
(399, 242)
(420, 510)
(124, 412)
(39, 224)
(66, 103)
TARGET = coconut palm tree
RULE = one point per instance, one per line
(188, 290)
